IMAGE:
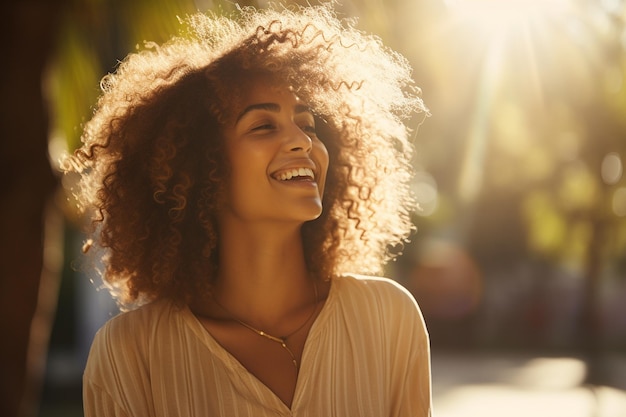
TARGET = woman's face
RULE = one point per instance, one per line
(278, 164)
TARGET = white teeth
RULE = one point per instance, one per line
(295, 172)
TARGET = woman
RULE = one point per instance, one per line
(241, 176)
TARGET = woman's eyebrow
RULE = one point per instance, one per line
(302, 108)
(273, 107)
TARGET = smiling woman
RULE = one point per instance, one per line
(244, 180)
(277, 163)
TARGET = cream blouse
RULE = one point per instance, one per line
(367, 354)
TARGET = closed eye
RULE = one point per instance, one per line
(266, 126)
(310, 129)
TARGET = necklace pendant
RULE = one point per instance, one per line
(280, 340)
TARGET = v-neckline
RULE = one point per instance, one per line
(233, 365)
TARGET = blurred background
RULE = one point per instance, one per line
(519, 262)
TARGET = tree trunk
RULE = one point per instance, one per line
(26, 184)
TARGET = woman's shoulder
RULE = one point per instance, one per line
(373, 291)
(373, 286)
(139, 318)
(124, 343)
(120, 355)
(379, 303)
(131, 330)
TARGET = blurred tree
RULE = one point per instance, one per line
(27, 183)
(527, 99)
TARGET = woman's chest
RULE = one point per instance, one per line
(338, 376)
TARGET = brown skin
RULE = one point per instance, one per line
(262, 276)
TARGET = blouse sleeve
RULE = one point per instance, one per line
(98, 403)
(116, 381)
(410, 361)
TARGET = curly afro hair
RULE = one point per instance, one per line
(152, 163)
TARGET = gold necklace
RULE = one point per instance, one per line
(282, 341)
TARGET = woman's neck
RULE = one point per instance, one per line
(262, 273)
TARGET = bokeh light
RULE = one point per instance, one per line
(425, 192)
(619, 202)
(612, 168)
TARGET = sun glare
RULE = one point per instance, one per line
(519, 52)
(506, 7)
(500, 16)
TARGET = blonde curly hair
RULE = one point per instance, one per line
(151, 162)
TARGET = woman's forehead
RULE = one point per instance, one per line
(261, 92)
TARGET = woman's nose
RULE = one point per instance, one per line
(299, 140)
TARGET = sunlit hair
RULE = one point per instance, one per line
(152, 161)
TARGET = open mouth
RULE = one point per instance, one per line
(295, 174)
